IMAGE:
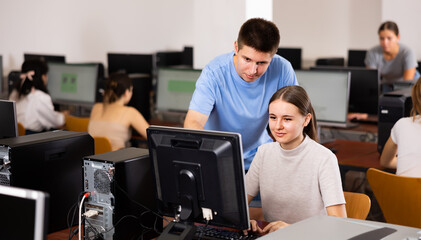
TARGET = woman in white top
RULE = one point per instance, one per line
(402, 150)
(34, 107)
(112, 118)
(297, 177)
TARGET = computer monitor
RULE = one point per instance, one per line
(365, 88)
(8, 120)
(329, 94)
(130, 63)
(24, 213)
(72, 83)
(175, 87)
(50, 162)
(45, 58)
(293, 55)
(199, 174)
(356, 58)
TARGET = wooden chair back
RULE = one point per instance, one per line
(399, 197)
(357, 205)
(77, 124)
(21, 129)
(102, 145)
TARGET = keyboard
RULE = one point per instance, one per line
(209, 233)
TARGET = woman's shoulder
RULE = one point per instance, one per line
(320, 149)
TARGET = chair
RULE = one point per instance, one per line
(77, 124)
(399, 197)
(21, 129)
(102, 145)
(357, 205)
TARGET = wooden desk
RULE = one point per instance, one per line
(362, 155)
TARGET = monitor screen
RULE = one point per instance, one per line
(356, 58)
(365, 88)
(74, 83)
(129, 63)
(293, 55)
(45, 58)
(202, 171)
(175, 88)
(8, 121)
(24, 213)
(328, 92)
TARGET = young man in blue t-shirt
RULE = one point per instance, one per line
(233, 91)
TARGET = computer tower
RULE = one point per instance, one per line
(121, 186)
(392, 106)
(49, 162)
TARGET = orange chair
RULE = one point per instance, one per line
(77, 124)
(21, 129)
(357, 205)
(102, 145)
(399, 197)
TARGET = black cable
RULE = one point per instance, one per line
(139, 204)
(203, 230)
(91, 226)
(115, 225)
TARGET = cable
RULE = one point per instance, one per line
(80, 213)
(203, 230)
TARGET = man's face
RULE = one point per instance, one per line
(249, 63)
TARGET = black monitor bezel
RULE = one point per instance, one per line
(8, 121)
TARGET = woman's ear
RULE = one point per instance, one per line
(307, 120)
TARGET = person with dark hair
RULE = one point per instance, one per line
(112, 118)
(233, 90)
(394, 60)
(401, 151)
(34, 107)
(297, 177)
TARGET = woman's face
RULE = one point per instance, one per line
(286, 123)
(388, 40)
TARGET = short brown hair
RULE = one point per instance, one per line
(259, 34)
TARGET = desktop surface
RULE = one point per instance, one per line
(336, 228)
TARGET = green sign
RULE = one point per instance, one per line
(69, 83)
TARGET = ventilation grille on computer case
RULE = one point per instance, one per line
(102, 181)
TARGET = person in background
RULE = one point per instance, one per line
(297, 177)
(112, 118)
(34, 107)
(402, 150)
(233, 90)
(394, 60)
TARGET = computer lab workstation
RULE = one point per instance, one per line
(133, 193)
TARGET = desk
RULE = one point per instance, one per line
(356, 155)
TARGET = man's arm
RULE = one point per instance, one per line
(195, 120)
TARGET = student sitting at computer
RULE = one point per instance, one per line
(113, 118)
(394, 60)
(297, 177)
(34, 107)
(402, 150)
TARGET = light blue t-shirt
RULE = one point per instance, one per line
(234, 105)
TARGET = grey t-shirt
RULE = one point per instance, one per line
(391, 70)
(295, 184)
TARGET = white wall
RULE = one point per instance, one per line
(327, 28)
(85, 30)
(406, 13)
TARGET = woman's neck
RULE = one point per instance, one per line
(392, 54)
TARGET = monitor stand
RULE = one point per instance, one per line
(185, 229)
